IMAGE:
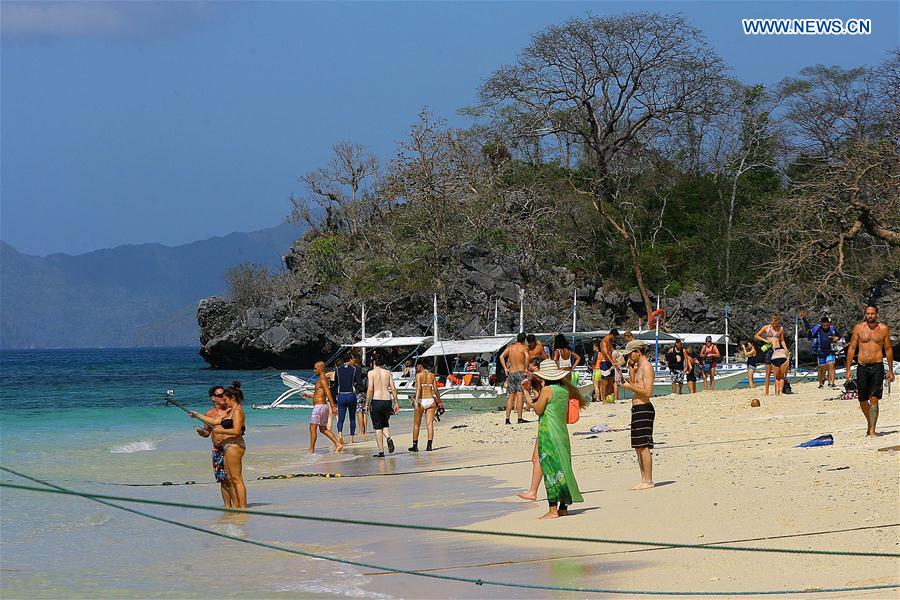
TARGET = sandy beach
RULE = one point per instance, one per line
(725, 472)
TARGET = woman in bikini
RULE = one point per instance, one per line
(231, 426)
(566, 358)
(426, 402)
(772, 337)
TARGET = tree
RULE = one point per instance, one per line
(616, 79)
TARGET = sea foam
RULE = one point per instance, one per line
(132, 447)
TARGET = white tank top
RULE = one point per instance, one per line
(564, 363)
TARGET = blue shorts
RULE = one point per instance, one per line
(825, 359)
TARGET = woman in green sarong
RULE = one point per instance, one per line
(554, 451)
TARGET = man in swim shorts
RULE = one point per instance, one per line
(323, 406)
(608, 366)
(218, 411)
(873, 342)
(643, 415)
(823, 336)
(675, 360)
(515, 361)
(381, 398)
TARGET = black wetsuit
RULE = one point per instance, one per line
(348, 380)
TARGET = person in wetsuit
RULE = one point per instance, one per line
(348, 381)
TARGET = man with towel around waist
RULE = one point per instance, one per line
(873, 341)
(640, 384)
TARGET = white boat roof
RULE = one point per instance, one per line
(389, 342)
(471, 346)
(666, 338)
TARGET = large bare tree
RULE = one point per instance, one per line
(613, 79)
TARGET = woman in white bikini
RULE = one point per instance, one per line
(775, 349)
(427, 401)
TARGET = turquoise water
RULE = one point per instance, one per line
(94, 419)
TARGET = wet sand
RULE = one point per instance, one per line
(725, 471)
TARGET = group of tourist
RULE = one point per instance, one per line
(546, 385)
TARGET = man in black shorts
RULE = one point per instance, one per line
(675, 360)
(381, 398)
(873, 341)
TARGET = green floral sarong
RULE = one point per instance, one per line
(554, 451)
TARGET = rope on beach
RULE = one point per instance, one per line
(480, 582)
(533, 536)
(295, 475)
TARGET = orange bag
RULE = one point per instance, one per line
(574, 411)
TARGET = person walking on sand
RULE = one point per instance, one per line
(676, 360)
(709, 354)
(362, 415)
(347, 381)
(750, 354)
(553, 445)
(382, 402)
(640, 384)
(514, 361)
(608, 366)
(323, 405)
(770, 335)
(218, 411)
(871, 340)
(426, 403)
(824, 336)
(229, 429)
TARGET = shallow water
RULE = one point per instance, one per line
(93, 419)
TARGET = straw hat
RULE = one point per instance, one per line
(550, 371)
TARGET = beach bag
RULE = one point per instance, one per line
(787, 387)
(850, 391)
(574, 411)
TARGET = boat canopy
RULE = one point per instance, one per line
(667, 339)
(478, 345)
(389, 341)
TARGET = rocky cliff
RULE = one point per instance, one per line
(295, 334)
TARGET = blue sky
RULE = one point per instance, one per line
(142, 122)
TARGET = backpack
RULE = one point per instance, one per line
(787, 387)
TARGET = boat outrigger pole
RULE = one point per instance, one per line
(575, 311)
(521, 310)
(364, 332)
(496, 314)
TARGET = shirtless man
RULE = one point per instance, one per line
(218, 411)
(873, 341)
(608, 366)
(515, 360)
(426, 401)
(640, 384)
(323, 406)
(381, 402)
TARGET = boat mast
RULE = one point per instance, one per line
(521, 310)
(657, 333)
(726, 334)
(796, 343)
(364, 333)
(496, 312)
(435, 320)
(574, 311)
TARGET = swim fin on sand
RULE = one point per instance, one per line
(822, 440)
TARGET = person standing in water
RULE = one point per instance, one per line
(217, 412)
(872, 341)
(643, 415)
(515, 360)
(382, 402)
(426, 402)
(229, 429)
(553, 445)
(323, 405)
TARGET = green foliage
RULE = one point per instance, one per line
(325, 257)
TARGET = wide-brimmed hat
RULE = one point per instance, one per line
(550, 371)
(632, 346)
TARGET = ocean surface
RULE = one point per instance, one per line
(96, 420)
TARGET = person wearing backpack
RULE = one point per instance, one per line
(823, 336)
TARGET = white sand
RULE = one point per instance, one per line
(728, 472)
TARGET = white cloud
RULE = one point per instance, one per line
(97, 19)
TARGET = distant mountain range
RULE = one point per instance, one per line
(128, 296)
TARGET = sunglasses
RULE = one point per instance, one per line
(219, 395)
